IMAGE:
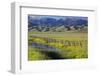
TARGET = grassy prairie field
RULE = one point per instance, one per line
(57, 45)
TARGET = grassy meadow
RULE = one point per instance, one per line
(57, 45)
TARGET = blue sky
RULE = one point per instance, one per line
(56, 17)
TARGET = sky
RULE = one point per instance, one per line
(56, 17)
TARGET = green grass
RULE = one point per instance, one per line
(68, 51)
(35, 54)
(79, 35)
